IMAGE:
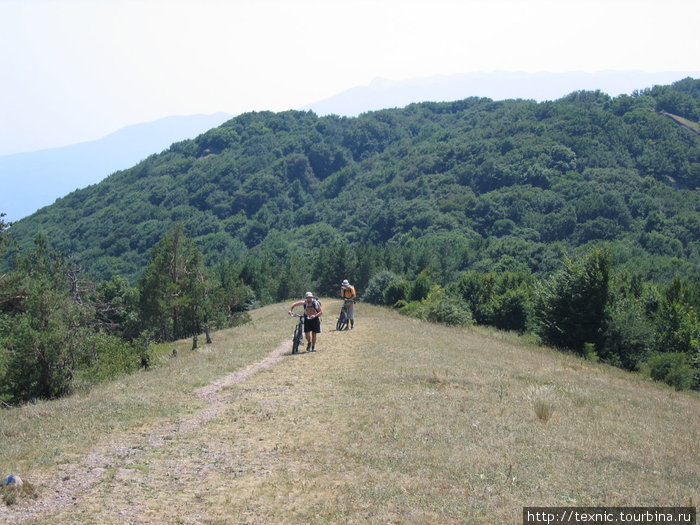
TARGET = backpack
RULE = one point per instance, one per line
(315, 302)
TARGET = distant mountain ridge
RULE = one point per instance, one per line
(499, 85)
(32, 180)
(36, 179)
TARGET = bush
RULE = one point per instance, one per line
(448, 310)
(629, 335)
(374, 294)
(511, 311)
(542, 399)
(438, 308)
(678, 328)
(421, 287)
(112, 357)
(672, 368)
(396, 291)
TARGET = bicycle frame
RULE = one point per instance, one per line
(343, 320)
(298, 336)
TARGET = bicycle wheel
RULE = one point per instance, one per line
(342, 322)
(297, 339)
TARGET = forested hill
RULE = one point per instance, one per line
(475, 184)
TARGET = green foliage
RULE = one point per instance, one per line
(498, 299)
(421, 287)
(334, 264)
(110, 358)
(511, 310)
(172, 289)
(374, 294)
(511, 176)
(476, 290)
(570, 307)
(4, 239)
(678, 328)
(226, 298)
(117, 305)
(442, 308)
(629, 334)
(42, 329)
(47, 328)
(673, 368)
(396, 291)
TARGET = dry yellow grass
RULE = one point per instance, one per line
(397, 421)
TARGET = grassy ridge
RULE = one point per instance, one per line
(396, 421)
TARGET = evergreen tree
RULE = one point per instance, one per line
(332, 266)
(172, 289)
(570, 307)
(46, 328)
(4, 239)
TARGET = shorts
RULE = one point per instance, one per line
(312, 325)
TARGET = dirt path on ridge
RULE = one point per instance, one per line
(63, 488)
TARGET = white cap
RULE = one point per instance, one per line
(308, 294)
(345, 282)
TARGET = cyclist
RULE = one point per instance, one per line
(348, 294)
(312, 321)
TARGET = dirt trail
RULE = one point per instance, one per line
(64, 487)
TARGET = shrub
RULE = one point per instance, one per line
(374, 294)
(672, 368)
(511, 311)
(477, 291)
(449, 310)
(396, 291)
(629, 335)
(111, 357)
(421, 287)
(678, 328)
(589, 352)
(570, 307)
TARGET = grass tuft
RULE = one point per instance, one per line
(11, 494)
(543, 399)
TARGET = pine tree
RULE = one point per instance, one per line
(172, 289)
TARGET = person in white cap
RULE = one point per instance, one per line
(312, 321)
(348, 294)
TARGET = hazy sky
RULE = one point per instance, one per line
(76, 70)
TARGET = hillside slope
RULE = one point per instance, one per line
(36, 179)
(395, 421)
(499, 184)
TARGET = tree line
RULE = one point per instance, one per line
(590, 305)
(587, 307)
(60, 331)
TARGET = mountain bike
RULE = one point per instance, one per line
(343, 320)
(298, 336)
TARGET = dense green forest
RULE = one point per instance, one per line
(577, 220)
